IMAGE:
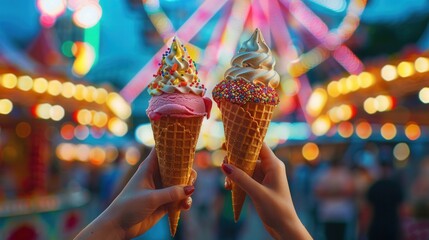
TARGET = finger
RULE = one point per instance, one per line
(269, 160)
(187, 203)
(244, 181)
(193, 177)
(150, 163)
(228, 184)
(172, 194)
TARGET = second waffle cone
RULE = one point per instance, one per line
(245, 128)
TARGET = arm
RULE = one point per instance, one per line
(270, 194)
(139, 206)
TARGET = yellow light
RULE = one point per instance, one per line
(25, 83)
(401, 151)
(40, 85)
(117, 127)
(55, 87)
(132, 155)
(43, 110)
(290, 86)
(422, 64)
(9, 80)
(81, 92)
(412, 131)
(56, 112)
(99, 119)
(316, 102)
(345, 129)
(101, 96)
(84, 117)
(84, 58)
(384, 103)
(424, 95)
(388, 131)
(23, 129)
(217, 157)
(69, 90)
(118, 105)
(82, 152)
(97, 156)
(352, 83)
(66, 151)
(6, 106)
(405, 69)
(91, 94)
(332, 89)
(363, 130)
(310, 151)
(366, 79)
(370, 105)
(321, 125)
(388, 73)
(144, 134)
(342, 86)
(333, 114)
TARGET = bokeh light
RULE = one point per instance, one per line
(424, 95)
(117, 127)
(345, 129)
(88, 15)
(412, 131)
(97, 156)
(405, 69)
(401, 151)
(9, 80)
(321, 125)
(388, 131)
(422, 64)
(25, 83)
(6, 106)
(55, 87)
(132, 155)
(23, 129)
(363, 130)
(310, 151)
(67, 131)
(40, 85)
(389, 73)
(81, 132)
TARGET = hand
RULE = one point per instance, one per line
(140, 205)
(270, 194)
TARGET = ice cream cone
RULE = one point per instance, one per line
(245, 128)
(176, 139)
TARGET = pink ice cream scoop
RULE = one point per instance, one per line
(178, 105)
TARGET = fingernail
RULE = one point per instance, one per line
(189, 190)
(226, 168)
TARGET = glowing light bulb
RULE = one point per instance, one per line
(316, 102)
(401, 151)
(68, 90)
(366, 79)
(388, 131)
(117, 127)
(332, 89)
(422, 64)
(40, 85)
(55, 87)
(321, 125)
(52, 8)
(310, 151)
(388, 73)
(405, 69)
(25, 83)
(363, 130)
(424, 95)
(6, 106)
(9, 80)
(88, 15)
(412, 131)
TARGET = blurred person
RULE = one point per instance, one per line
(362, 181)
(302, 188)
(269, 192)
(385, 197)
(335, 190)
(417, 227)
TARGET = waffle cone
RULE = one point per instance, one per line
(175, 142)
(245, 128)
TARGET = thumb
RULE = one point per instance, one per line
(244, 181)
(172, 194)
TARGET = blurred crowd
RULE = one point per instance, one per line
(357, 196)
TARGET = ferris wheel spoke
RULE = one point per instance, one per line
(159, 19)
(186, 32)
(230, 37)
(260, 18)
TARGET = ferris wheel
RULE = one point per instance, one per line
(304, 34)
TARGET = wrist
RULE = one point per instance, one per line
(294, 229)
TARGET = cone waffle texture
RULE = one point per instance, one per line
(175, 142)
(245, 128)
